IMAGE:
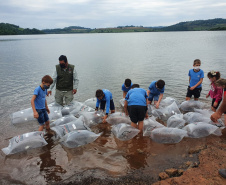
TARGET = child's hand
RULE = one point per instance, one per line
(215, 116)
(36, 115)
(207, 96)
(48, 111)
(192, 88)
(104, 118)
(157, 105)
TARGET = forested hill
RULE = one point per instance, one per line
(198, 25)
(11, 29)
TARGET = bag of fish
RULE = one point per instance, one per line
(200, 129)
(149, 125)
(122, 102)
(93, 118)
(81, 107)
(78, 138)
(118, 117)
(189, 106)
(67, 109)
(55, 111)
(168, 101)
(22, 116)
(168, 135)
(63, 120)
(24, 142)
(78, 124)
(91, 102)
(176, 121)
(124, 132)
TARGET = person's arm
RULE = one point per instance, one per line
(75, 81)
(97, 104)
(196, 85)
(36, 115)
(160, 98)
(124, 94)
(148, 92)
(217, 115)
(47, 108)
(107, 107)
(125, 107)
(53, 84)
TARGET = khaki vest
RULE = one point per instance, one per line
(64, 78)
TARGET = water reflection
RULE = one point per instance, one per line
(48, 164)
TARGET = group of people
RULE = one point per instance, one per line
(136, 98)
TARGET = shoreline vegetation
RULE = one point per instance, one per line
(197, 25)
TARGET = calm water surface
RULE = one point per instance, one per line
(102, 61)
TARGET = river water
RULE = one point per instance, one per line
(101, 61)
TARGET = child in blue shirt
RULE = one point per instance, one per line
(136, 106)
(39, 103)
(126, 86)
(196, 76)
(155, 91)
(104, 97)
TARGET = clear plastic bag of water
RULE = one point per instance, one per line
(149, 125)
(168, 135)
(93, 118)
(78, 138)
(24, 142)
(124, 132)
(91, 102)
(63, 120)
(189, 106)
(176, 121)
(118, 117)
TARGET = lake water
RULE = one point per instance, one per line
(101, 61)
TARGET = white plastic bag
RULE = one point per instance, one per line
(168, 135)
(168, 101)
(63, 120)
(22, 116)
(55, 111)
(189, 106)
(200, 129)
(78, 124)
(67, 109)
(24, 142)
(122, 102)
(81, 107)
(91, 102)
(78, 138)
(124, 132)
(92, 118)
(149, 125)
(118, 117)
(176, 121)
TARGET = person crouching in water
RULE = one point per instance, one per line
(136, 106)
(39, 103)
(104, 97)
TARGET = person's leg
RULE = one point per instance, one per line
(140, 125)
(225, 119)
(112, 106)
(197, 93)
(47, 125)
(134, 125)
(41, 128)
(150, 98)
(68, 97)
(189, 94)
(59, 97)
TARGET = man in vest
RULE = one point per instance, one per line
(66, 80)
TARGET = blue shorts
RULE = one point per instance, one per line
(43, 116)
(103, 103)
(152, 96)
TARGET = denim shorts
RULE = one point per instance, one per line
(43, 116)
(152, 96)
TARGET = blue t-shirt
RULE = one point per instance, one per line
(136, 96)
(126, 89)
(154, 90)
(107, 97)
(40, 97)
(195, 77)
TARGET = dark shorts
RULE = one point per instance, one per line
(103, 103)
(43, 116)
(152, 96)
(196, 92)
(217, 104)
(137, 113)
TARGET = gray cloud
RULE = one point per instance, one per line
(43, 14)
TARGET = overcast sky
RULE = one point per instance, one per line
(42, 14)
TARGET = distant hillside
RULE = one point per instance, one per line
(11, 29)
(70, 29)
(198, 25)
